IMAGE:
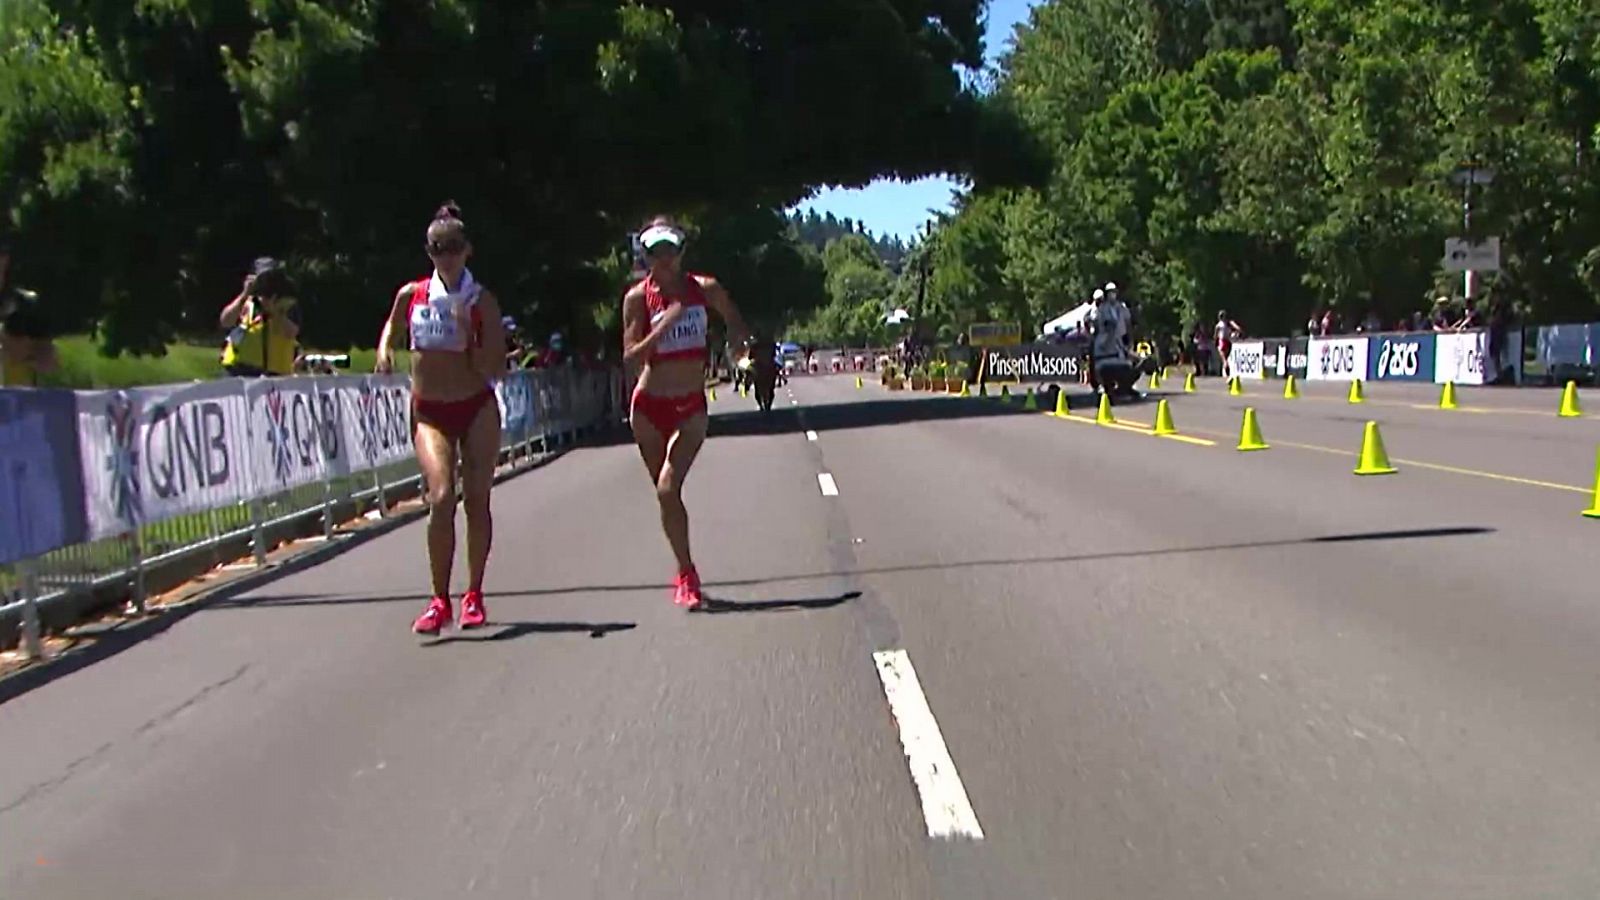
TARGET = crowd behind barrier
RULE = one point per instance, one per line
(78, 467)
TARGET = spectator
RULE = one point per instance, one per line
(1330, 323)
(27, 348)
(1441, 319)
(263, 324)
(1371, 323)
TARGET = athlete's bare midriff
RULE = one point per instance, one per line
(673, 377)
(445, 376)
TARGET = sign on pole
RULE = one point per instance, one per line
(1463, 255)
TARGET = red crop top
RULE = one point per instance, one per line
(433, 320)
(687, 339)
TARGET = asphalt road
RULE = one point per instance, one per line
(1158, 669)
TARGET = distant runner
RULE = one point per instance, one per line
(459, 350)
(664, 328)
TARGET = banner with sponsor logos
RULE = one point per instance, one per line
(152, 453)
(377, 419)
(1407, 356)
(1274, 354)
(1245, 359)
(41, 486)
(296, 433)
(1337, 358)
(1033, 362)
(1459, 357)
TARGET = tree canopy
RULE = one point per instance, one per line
(149, 150)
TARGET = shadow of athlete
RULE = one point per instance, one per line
(664, 329)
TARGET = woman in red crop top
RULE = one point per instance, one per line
(664, 329)
(458, 350)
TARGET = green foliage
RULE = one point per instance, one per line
(149, 150)
(1276, 156)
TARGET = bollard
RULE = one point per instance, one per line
(32, 633)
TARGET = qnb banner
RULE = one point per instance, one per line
(296, 433)
(41, 488)
(1460, 357)
(377, 419)
(1033, 362)
(1401, 357)
(153, 453)
(1337, 358)
(1245, 359)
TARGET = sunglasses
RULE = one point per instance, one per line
(446, 248)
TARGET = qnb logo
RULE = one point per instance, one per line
(1398, 359)
(1338, 359)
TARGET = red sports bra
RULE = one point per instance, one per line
(687, 339)
(433, 321)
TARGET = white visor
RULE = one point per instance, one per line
(657, 234)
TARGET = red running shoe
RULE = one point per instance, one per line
(472, 612)
(687, 594)
(434, 617)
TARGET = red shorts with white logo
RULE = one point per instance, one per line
(667, 414)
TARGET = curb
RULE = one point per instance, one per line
(118, 637)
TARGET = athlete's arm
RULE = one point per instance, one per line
(392, 330)
(638, 339)
(490, 358)
(717, 298)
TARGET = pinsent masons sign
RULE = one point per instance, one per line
(1033, 362)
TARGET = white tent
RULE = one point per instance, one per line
(1067, 321)
(898, 317)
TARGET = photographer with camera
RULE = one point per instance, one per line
(263, 323)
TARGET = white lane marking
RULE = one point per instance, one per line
(829, 487)
(944, 800)
(811, 435)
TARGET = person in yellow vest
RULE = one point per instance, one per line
(26, 348)
(263, 324)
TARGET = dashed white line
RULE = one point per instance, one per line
(829, 487)
(811, 435)
(945, 807)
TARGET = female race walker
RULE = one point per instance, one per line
(664, 328)
(458, 349)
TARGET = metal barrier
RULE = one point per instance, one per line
(541, 412)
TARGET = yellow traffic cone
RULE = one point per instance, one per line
(1031, 404)
(1062, 411)
(1164, 419)
(741, 390)
(1355, 392)
(858, 382)
(1188, 383)
(1166, 372)
(1250, 432)
(1447, 397)
(1569, 402)
(1005, 394)
(964, 391)
(1291, 388)
(1235, 389)
(1155, 381)
(1374, 459)
(713, 395)
(1593, 511)
(1104, 416)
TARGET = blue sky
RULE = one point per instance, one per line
(892, 207)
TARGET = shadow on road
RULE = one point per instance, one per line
(1375, 536)
(510, 631)
(716, 605)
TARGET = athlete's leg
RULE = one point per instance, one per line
(479, 451)
(681, 451)
(436, 454)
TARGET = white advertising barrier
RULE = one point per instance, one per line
(297, 433)
(1337, 358)
(377, 419)
(152, 453)
(1460, 357)
(1245, 359)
